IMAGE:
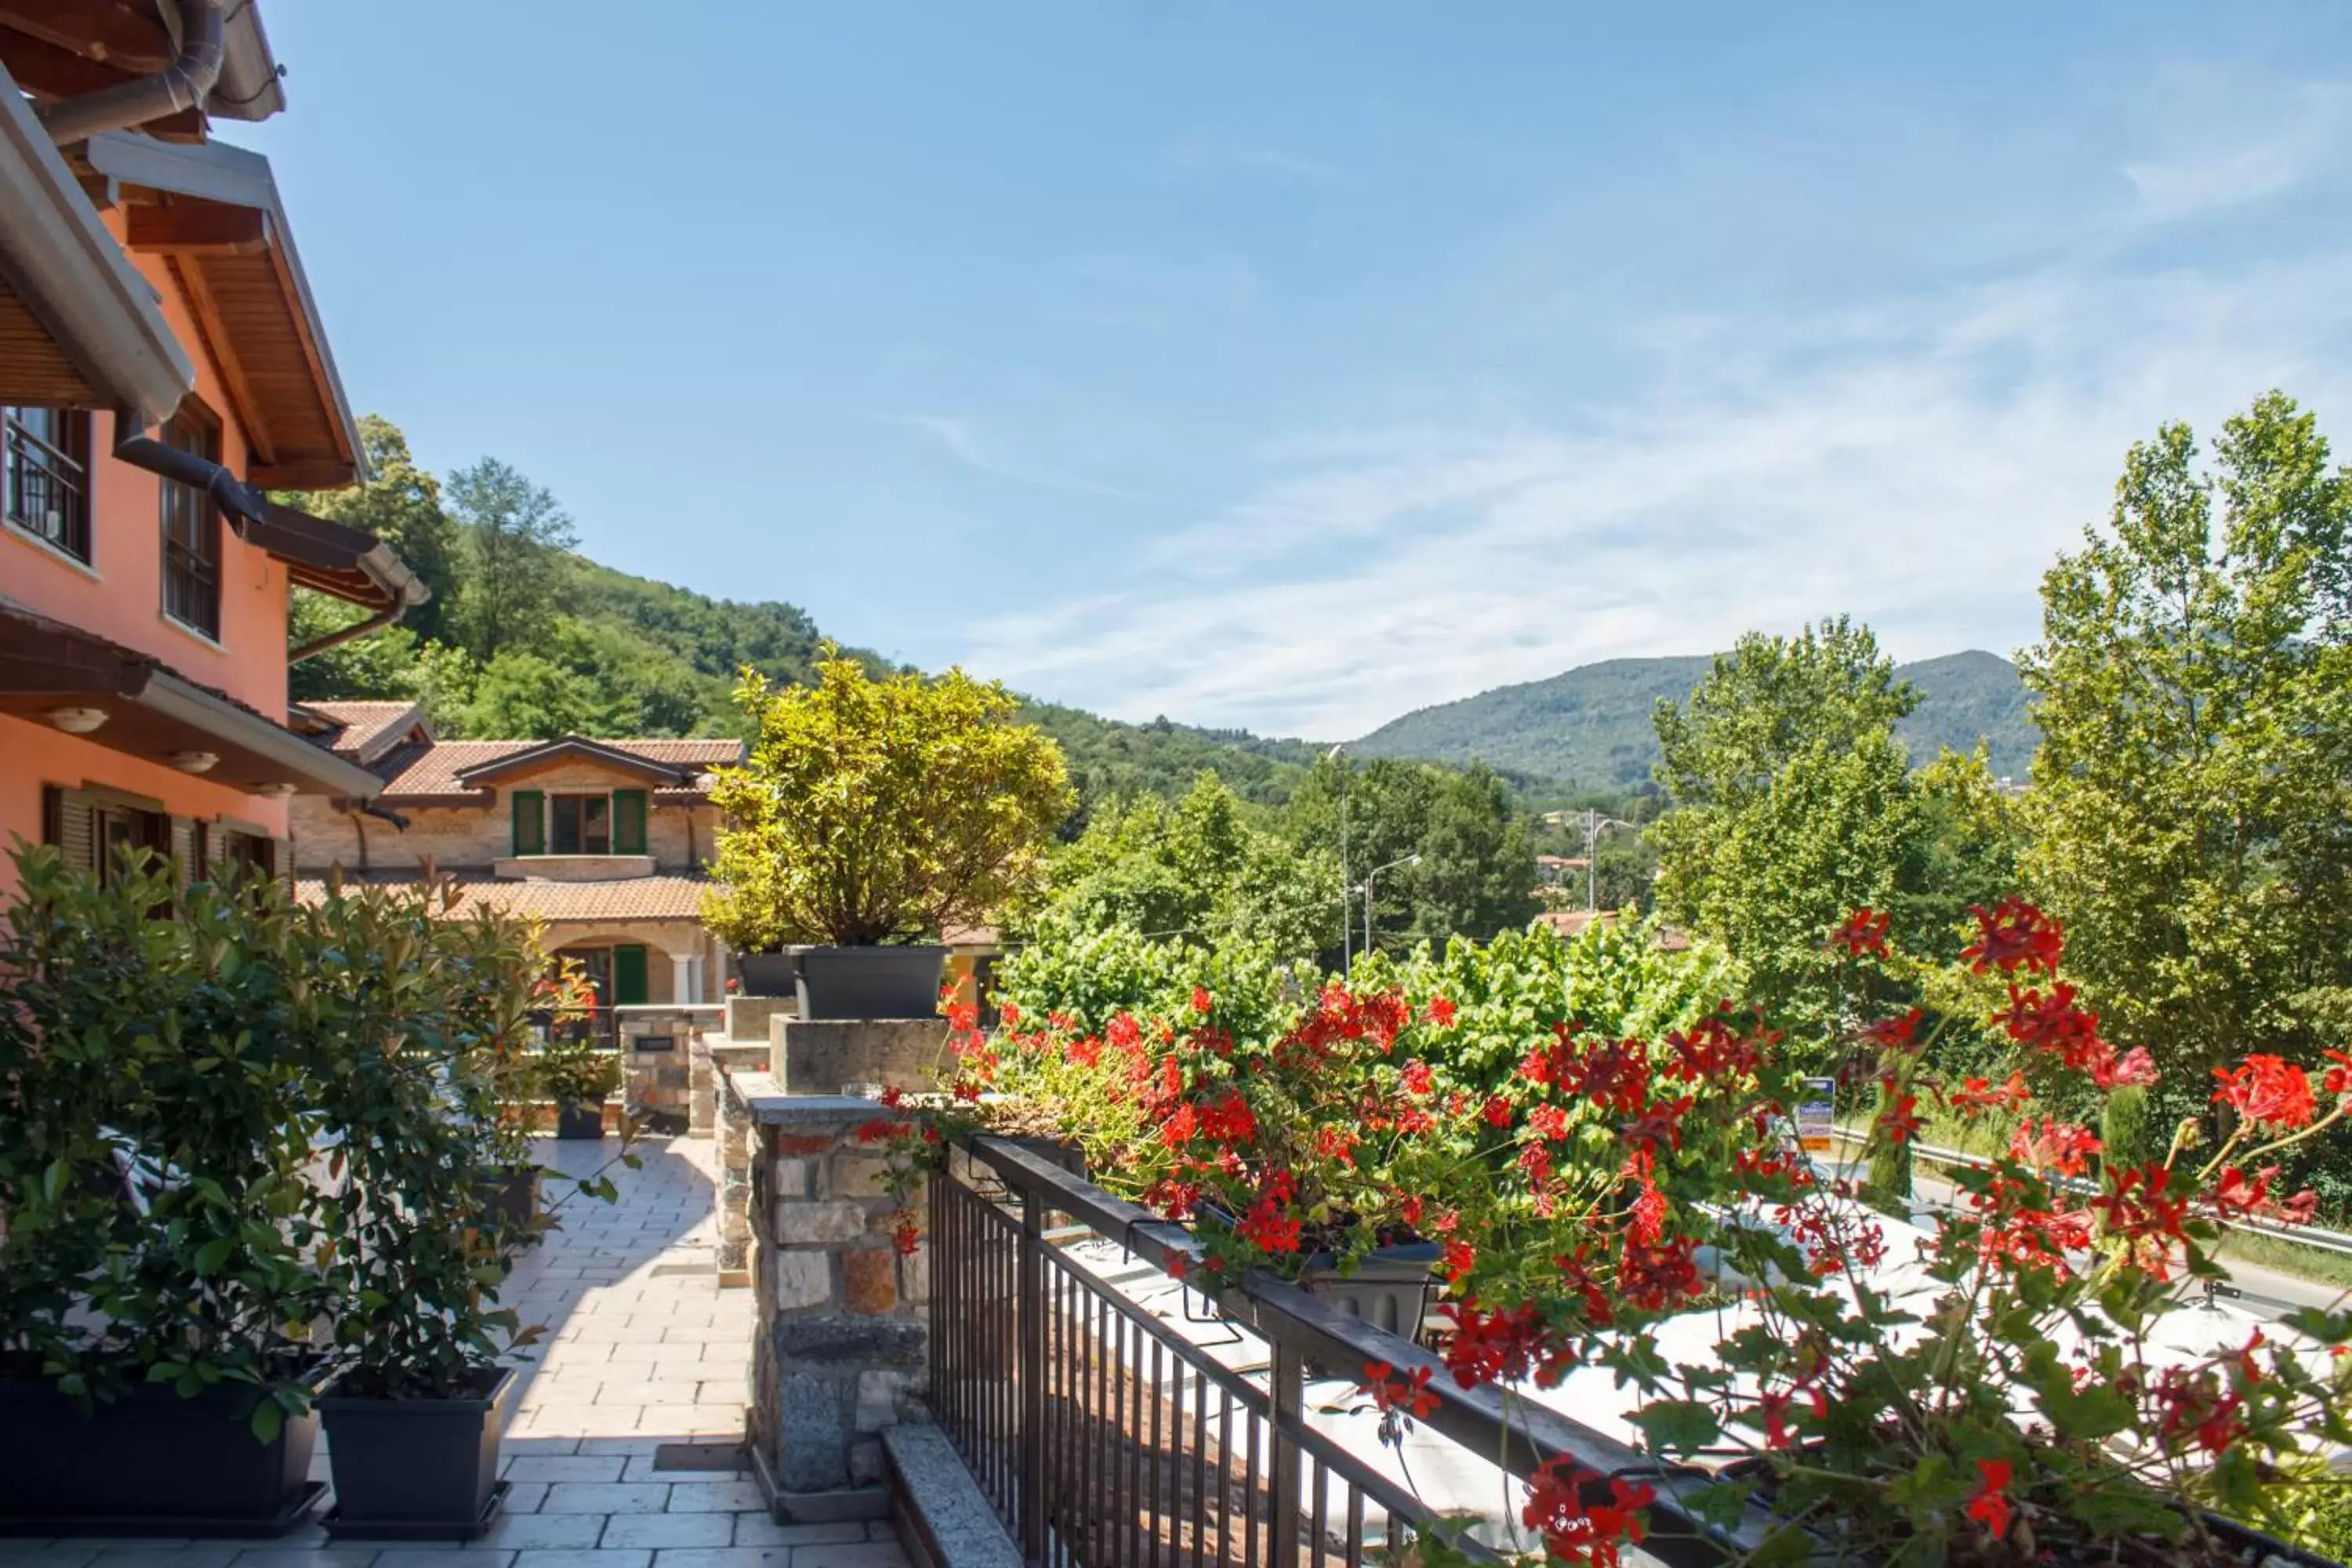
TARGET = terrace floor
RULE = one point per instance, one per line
(643, 1350)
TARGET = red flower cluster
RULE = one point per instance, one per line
(2056, 1145)
(1863, 936)
(1502, 1346)
(2269, 1092)
(1577, 1529)
(2014, 933)
(1409, 1395)
(1989, 1504)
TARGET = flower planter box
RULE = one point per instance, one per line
(579, 1121)
(417, 1470)
(1390, 1289)
(767, 974)
(149, 1463)
(871, 982)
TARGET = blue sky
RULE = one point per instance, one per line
(1293, 365)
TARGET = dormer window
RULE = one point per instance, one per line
(580, 824)
(613, 823)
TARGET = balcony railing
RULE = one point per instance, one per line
(47, 490)
(1107, 1436)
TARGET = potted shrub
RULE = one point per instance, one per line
(869, 814)
(156, 1128)
(413, 1248)
(1995, 1388)
(578, 1077)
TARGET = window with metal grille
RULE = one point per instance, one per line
(45, 476)
(191, 536)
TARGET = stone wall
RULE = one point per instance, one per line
(828, 1056)
(679, 837)
(658, 1050)
(843, 1320)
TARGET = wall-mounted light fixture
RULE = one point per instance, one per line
(195, 762)
(77, 721)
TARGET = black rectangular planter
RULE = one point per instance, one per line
(415, 1470)
(574, 1122)
(150, 1457)
(871, 982)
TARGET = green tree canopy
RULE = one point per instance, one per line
(1793, 805)
(1476, 875)
(2194, 686)
(874, 810)
(513, 541)
(1196, 868)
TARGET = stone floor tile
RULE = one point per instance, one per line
(28, 1552)
(540, 1532)
(621, 1557)
(679, 1417)
(516, 1448)
(524, 1496)
(447, 1554)
(873, 1554)
(641, 1469)
(306, 1557)
(726, 1497)
(667, 1529)
(565, 1468)
(726, 1557)
(604, 1496)
(760, 1530)
(627, 1446)
(156, 1554)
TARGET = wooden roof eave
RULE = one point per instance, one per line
(79, 327)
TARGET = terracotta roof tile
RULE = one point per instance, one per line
(430, 771)
(629, 898)
(362, 723)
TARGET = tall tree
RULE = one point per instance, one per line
(1476, 872)
(513, 540)
(2194, 789)
(400, 503)
(1794, 806)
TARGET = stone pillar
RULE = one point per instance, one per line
(843, 1340)
(681, 979)
(655, 1044)
(826, 1056)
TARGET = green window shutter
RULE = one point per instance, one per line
(628, 822)
(628, 977)
(530, 822)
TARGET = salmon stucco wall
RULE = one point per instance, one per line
(33, 754)
(119, 595)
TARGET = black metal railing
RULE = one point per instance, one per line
(1107, 1438)
(46, 488)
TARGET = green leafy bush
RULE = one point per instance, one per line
(220, 1129)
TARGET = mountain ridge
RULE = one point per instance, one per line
(1589, 726)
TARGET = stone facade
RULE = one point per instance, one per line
(678, 837)
(828, 1056)
(843, 1319)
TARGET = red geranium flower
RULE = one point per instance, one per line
(1863, 934)
(2267, 1090)
(1577, 1530)
(1990, 1507)
(2012, 933)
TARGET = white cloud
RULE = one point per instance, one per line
(2214, 174)
(963, 443)
(1205, 155)
(1920, 474)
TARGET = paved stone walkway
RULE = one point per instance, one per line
(643, 1349)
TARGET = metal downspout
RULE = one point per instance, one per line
(184, 84)
(240, 499)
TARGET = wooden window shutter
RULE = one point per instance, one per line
(530, 822)
(628, 976)
(69, 821)
(628, 822)
(187, 851)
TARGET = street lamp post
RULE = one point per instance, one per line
(1371, 877)
(1333, 756)
(1594, 825)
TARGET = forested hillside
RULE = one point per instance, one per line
(525, 637)
(1591, 726)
